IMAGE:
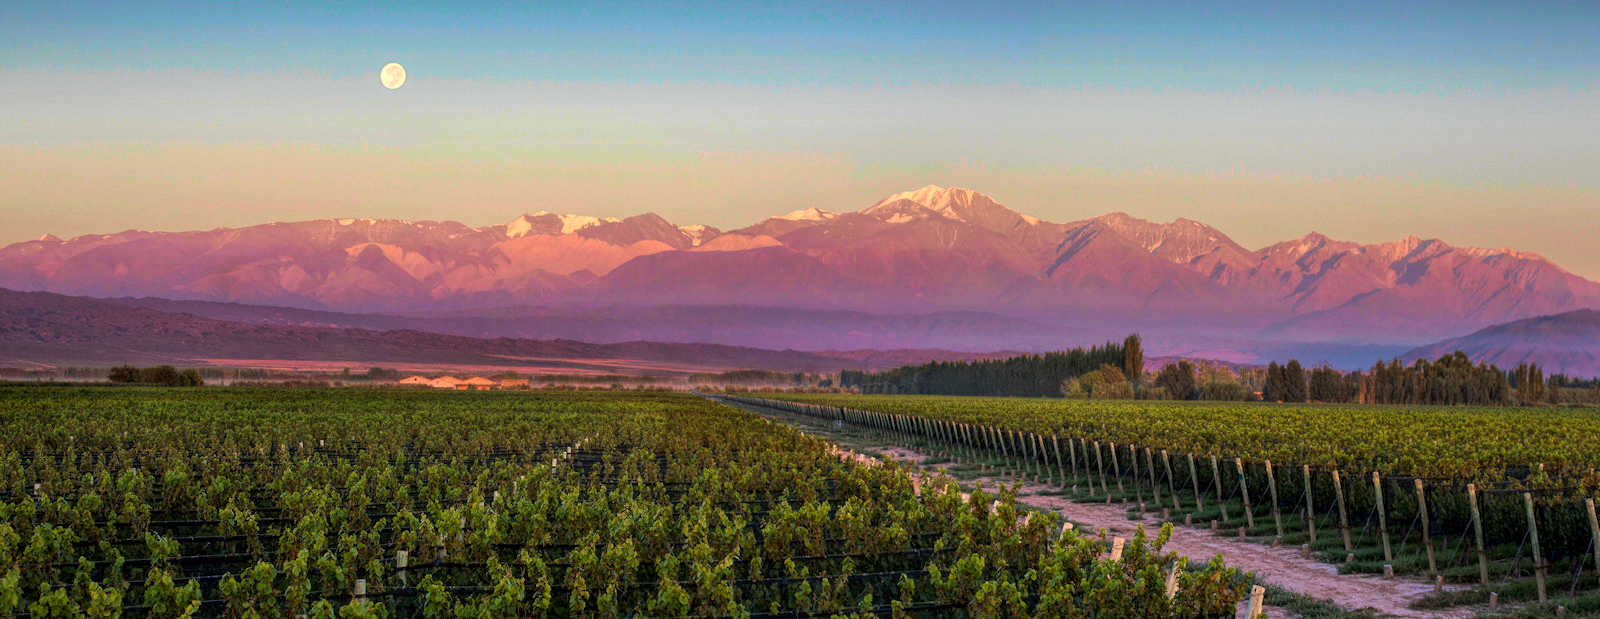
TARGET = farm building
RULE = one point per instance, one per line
(445, 382)
(513, 383)
(419, 381)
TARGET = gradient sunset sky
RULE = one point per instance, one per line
(1474, 123)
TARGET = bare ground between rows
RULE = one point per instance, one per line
(1281, 566)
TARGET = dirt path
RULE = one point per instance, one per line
(1284, 567)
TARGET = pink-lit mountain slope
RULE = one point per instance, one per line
(1567, 343)
(919, 252)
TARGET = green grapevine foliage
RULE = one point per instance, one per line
(369, 503)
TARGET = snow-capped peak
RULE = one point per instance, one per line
(1481, 252)
(49, 238)
(525, 225)
(957, 203)
(935, 197)
(807, 214)
(519, 227)
(698, 233)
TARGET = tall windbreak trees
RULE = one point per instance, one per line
(1329, 385)
(1285, 383)
(1133, 359)
(1529, 383)
(1027, 375)
(1294, 382)
(1451, 379)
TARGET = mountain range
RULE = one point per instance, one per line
(1568, 343)
(933, 267)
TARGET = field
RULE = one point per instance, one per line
(1501, 500)
(245, 502)
(1538, 447)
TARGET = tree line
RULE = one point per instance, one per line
(1026, 375)
(1449, 380)
(156, 375)
(1116, 371)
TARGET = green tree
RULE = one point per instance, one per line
(1294, 382)
(124, 374)
(1330, 385)
(159, 375)
(1224, 392)
(1530, 383)
(1272, 391)
(1108, 383)
(1179, 380)
(1133, 358)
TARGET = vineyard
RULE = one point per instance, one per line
(1500, 500)
(360, 503)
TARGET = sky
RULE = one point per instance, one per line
(1470, 122)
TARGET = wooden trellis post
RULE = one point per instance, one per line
(1014, 444)
(1256, 594)
(1172, 487)
(1533, 536)
(1272, 491)
(1014, 440)
(1477, 531)
(1427, 539)
(1216, 477)
(1138, 487)
(1116, 469)
(1044, 458)
(1061, 466)
(1594, 533)
(1072, 457)
(1150, 464)
(1100, 464)
(1311, 512)
(1344, 517)
(1194, 480)
(1383, 519)
(1244, 493)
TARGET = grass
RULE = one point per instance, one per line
(1309, 607)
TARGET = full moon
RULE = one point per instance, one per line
(393, 75)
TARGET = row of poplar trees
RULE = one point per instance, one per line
(1450, 379)
(1027, 375)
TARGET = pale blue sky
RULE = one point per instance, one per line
(1470, 122)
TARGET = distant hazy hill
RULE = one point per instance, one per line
(1567, 343)
(764, 327)
(51, 328)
